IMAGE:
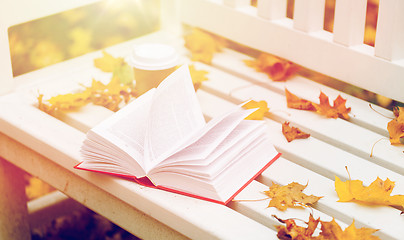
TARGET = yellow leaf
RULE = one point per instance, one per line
(198, 76)
(202, 45)
(262, 109)
(107, 62)
(290, 195)
(377, 193)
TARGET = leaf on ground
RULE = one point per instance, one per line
(276, 68)
(291, 195)
(329, 230)
(396, 126)
(324, 108)
(203, 45)
(198, 76)
(292, 133)
(377, 193)
(262, 109)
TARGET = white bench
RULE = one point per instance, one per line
(48, 147)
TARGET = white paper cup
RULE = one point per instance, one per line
(152, 63)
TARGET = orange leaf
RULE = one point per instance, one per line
(396, 126)
(290, 195)
(324, 108)
(329, 230)
(276, 68)
(292, 133)
(293, 231)
(338, 110)
(260, 112)
(294, 101)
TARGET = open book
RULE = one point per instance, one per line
(161, 140)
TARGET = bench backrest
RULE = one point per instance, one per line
(20, 11)
(341, 54)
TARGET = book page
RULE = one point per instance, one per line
(175, 115)
(205, 141)
(126, 129)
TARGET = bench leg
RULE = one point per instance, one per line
(13, 203)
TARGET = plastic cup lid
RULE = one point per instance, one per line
(153, 56)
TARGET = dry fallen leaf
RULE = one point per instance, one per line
(377, 193)
(120, 88)
(198, 76)
(324, 108)
(292, 133)
(329, 231)
(107, 62)
(276, 68)
(260, 112)
(290, 195)
(396, 126)
(202, 45)
(295, 102)
(293, 231)
(338, 110)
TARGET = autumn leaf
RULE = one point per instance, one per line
(338, 110)
(119, 89)
(198, 76)
(262, 109)
(293, 231)
(290, 195)
(276, 68)
(119, 68)
(329, 230)
(292, 133)
(108, 63)
(396, 126)
(377, 193)
(202, 45)
(295, 102)
(324, 108)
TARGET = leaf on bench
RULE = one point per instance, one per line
(378, 192)
(276, 68)
(329, 230)
(203, 45)
(290, 195)
(396, 126)
(292, 133)
(261, 111)
(324, 108)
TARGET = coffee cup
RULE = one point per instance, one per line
(152, 63)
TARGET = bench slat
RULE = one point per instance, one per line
(232, 62)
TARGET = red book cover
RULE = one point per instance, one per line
(145, 181)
